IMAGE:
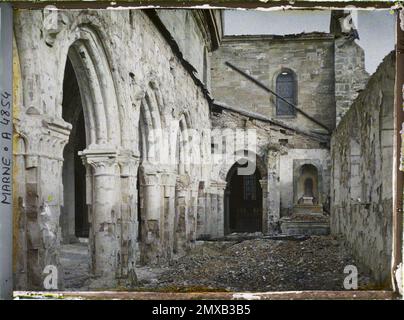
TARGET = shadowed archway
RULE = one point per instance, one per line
(74, 217)
(243, 198)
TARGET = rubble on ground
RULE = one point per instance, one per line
(260, 264)
(247, 262)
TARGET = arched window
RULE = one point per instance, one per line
(286, 88)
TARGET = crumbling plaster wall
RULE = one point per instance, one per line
(123, 56)
(361, 182)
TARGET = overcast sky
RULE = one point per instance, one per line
(376, 28)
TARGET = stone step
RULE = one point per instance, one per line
(293, 227)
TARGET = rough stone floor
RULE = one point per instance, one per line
(258, 264)
(74, 259)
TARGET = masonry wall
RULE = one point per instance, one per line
(309, 56)
(361, 183)
(189, 35)
(350, 74)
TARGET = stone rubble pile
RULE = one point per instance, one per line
(314, 263)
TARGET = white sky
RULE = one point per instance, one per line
(376, 28)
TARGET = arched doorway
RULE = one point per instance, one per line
(75, 256)
(74, 215)
(89, 72)
(243, 198)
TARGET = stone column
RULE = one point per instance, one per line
(152, 214)
(168, 181)
(265, 211)
(105, 210)
(213, 216)
(192, 217)
(208, 213)
(181, 220)
(201, 213)
(220, 218)
(46, 138)
(273, 193)
(128, 222)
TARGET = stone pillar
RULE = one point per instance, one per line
(201, 232)
(192, 217)
(208, 213)
(265, 211)
(213, 212)
(46, 138)
(273, 193)
(168, 182)
(181, 220)
(226, 211)
(128, 222)
(220, 218)
(105, 211)
(152, 214)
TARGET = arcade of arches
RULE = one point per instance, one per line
(96, 90)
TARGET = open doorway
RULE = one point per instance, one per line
(74, 214)
(244, 199)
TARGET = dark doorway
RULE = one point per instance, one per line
(243, 201)
(74, 218)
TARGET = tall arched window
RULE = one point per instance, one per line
(286, 88)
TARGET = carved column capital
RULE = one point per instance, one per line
(150, 179)
(128, 163)
(103, 160)
(44, 136)
(169, 179)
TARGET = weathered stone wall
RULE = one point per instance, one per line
(126, 71)
(190, 31)
(309, 56)
(361, 182)
(350, 74)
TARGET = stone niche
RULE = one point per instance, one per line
(307, 217)
(307, 187)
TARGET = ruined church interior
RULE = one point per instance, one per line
(204, 149)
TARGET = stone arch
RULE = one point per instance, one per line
(152, 151)
(102, 130)
(242, 156)
(303, 169)
(184, 150)
(226, 170)
(243, 199)
(151, 144)
(91, 63)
